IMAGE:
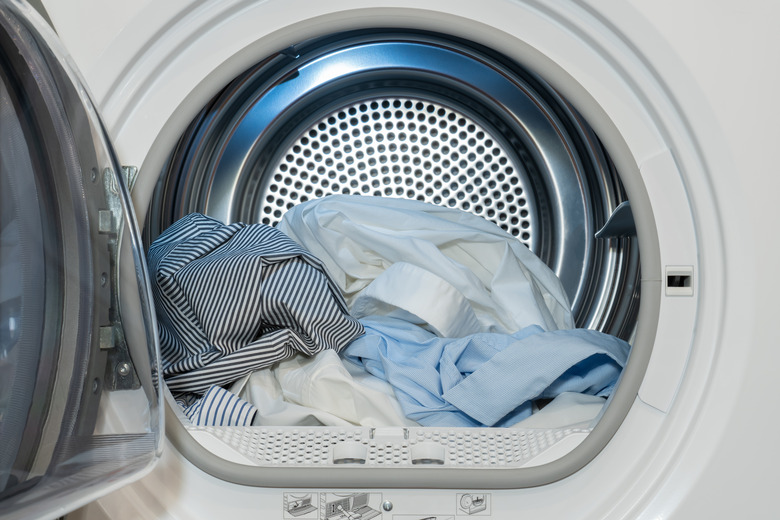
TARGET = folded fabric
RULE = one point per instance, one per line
(231, 299)
(567, 410)
(320, 390)
(485, 379)
(217, 407)
(447, 270)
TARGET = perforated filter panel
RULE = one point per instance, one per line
(462, 447)
(404, 147)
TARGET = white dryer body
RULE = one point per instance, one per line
(682, 98)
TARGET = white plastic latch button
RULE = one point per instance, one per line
(349, 452)
(427, 453)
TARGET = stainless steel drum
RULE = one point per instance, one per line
(399, 114)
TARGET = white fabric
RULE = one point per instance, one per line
(413, 294)
(320, 390)
(459, 273)
(292, 393)
(567, 410)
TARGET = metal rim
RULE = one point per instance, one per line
(236, 160)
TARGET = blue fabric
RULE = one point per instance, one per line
(485, 379)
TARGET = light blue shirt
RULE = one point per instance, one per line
(485, 379)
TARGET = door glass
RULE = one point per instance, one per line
(80, 401)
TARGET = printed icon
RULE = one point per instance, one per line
(299, 505)
(473, 503)
(352, 506)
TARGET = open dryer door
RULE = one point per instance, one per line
(77, 337)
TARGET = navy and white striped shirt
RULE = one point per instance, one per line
(235, 298)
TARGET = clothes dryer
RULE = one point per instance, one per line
(209, 105)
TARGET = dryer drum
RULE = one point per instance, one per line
(421, 116)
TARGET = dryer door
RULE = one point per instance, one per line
(80, 396)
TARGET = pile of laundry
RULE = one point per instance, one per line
(370, 311)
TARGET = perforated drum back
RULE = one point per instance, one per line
(404, 147)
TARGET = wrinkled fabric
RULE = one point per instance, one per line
(567, 410)
(218, 407)
(231, 299)
(485, 379)
(322, 390)
(449, 271)
(288, 394)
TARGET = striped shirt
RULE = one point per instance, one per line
(232, 299)
(218, 407)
